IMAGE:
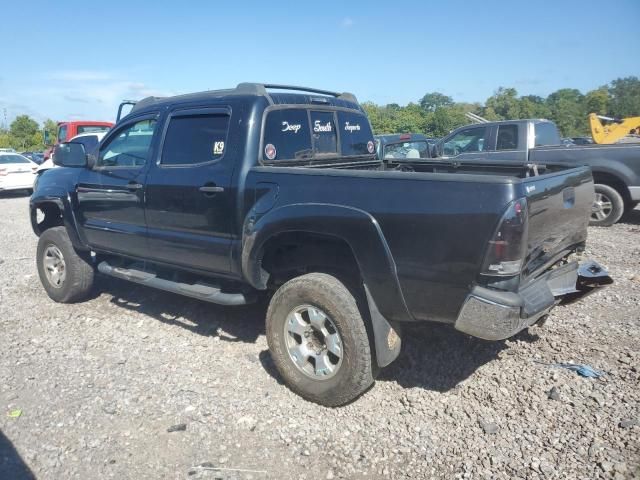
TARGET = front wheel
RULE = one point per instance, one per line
(608, 206)
(66, 275)
(318, 340)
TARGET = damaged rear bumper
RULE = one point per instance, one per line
(496, 315)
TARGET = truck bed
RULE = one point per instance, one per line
(438, 217)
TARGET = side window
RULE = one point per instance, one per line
(287, 135)
(546, 134)
(62, 134)
(469, 140)
(355, 134)
(507, 137)
(130, 147)
(324, 133)
(192, 139)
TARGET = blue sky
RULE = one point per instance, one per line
(78, 59)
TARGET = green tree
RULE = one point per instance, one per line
(568, 110)
(51, 128)
(597, 101)
(505, 103)
(434, 100)
(625, 97)
(533, 106)
(22, 131)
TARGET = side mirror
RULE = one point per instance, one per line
(46, 138)
(70, 154)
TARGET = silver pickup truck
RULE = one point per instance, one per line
(615, 168)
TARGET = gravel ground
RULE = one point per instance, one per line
(100, 384)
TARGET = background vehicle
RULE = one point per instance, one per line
(230, 195)
(614, 130)
(37, 157)
(582, 140)
(405, 145)
(16, 172)
(67, 130)
(616, 168)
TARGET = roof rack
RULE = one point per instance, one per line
(261, 89)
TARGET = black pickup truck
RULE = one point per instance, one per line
(261, 191)
(615, 168)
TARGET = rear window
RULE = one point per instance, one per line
(92, 128)
(325, 139)
(355, 133)
(546, 134)
(301, 133)
(7, 159)
(419, 149)
(507, 137)
(192, 139)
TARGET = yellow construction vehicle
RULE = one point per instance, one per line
(614, 130)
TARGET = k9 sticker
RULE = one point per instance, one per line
(371, 147)
(270, 151)
(218, 148)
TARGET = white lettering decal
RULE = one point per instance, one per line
(287, 127)
(318, 127)
(218, 148)
(351, 128)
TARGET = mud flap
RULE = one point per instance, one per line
(386, 338)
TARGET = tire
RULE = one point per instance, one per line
(69, 281)
(608, 206)
(352, 373)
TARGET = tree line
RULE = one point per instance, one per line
(436, 114)
(25, 134)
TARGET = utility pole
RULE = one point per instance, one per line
(6, 127)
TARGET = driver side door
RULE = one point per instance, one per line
(111, 193)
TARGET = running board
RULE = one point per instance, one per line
(201, 291)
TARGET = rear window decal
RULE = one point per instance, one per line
(218, 148)
(270, 151)
(351, 128)
(290, 127)
(319, 127)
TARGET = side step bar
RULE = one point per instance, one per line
(200, 291)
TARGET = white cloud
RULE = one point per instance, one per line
(347, 22)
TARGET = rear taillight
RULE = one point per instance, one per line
(508, 246)
(3, 172)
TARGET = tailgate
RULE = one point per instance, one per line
(559, 209)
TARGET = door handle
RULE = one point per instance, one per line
(211, 189)
(134, 186)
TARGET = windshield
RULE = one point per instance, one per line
(417, 149)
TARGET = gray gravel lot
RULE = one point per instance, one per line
(99, 384)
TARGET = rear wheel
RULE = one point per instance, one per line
(66, 275)
(608, 206)
(318, 340)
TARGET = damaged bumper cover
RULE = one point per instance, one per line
(496, 315)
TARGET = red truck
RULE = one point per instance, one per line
(67, 130)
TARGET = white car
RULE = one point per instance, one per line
(16, 172)
(89, 140)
